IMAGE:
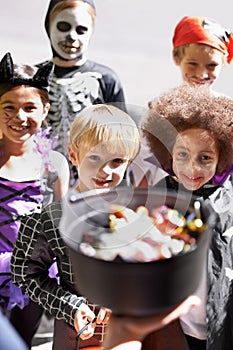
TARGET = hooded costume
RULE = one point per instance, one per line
(76, 87)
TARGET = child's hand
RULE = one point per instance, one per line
(103, 315)
(127, 332)
(82, 317)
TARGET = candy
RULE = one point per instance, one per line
(143, 235)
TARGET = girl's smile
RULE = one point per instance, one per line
(195, 158)
(21, 113)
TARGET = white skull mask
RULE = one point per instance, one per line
(70, 32)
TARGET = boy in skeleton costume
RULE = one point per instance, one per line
(77, 81)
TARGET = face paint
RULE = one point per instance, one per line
(70, 33)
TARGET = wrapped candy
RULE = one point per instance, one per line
(142, 236)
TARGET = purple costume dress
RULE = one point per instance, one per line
(17, 199)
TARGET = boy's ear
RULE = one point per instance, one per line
(73, 156)
(176, 59)
(129, 162)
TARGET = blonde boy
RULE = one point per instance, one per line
(103, 141)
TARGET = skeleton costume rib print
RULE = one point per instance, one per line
(77, 82)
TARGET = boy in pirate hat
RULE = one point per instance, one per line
(201, 48)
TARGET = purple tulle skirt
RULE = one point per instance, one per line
(10, 292)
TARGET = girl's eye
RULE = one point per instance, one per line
(30, 108)
(205, 158)
(63, 26)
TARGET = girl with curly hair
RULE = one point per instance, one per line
(190, 132)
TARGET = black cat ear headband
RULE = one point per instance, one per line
(40, 80)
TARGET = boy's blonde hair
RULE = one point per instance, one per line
(107, 126)
(180, 51)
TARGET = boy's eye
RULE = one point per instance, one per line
(192, 63)
(81, 30)
(212, 65)
(94, 157)
(63, 26)
(8, 108)
(182, 154)
(118, 160)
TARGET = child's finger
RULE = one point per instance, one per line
(87, 332)
(103, 316)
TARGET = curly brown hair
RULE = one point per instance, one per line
(183, 108)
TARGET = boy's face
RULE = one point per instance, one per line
(195, 158)
(200, 64)
(21, 113)
(98, 168)
(70, 32)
